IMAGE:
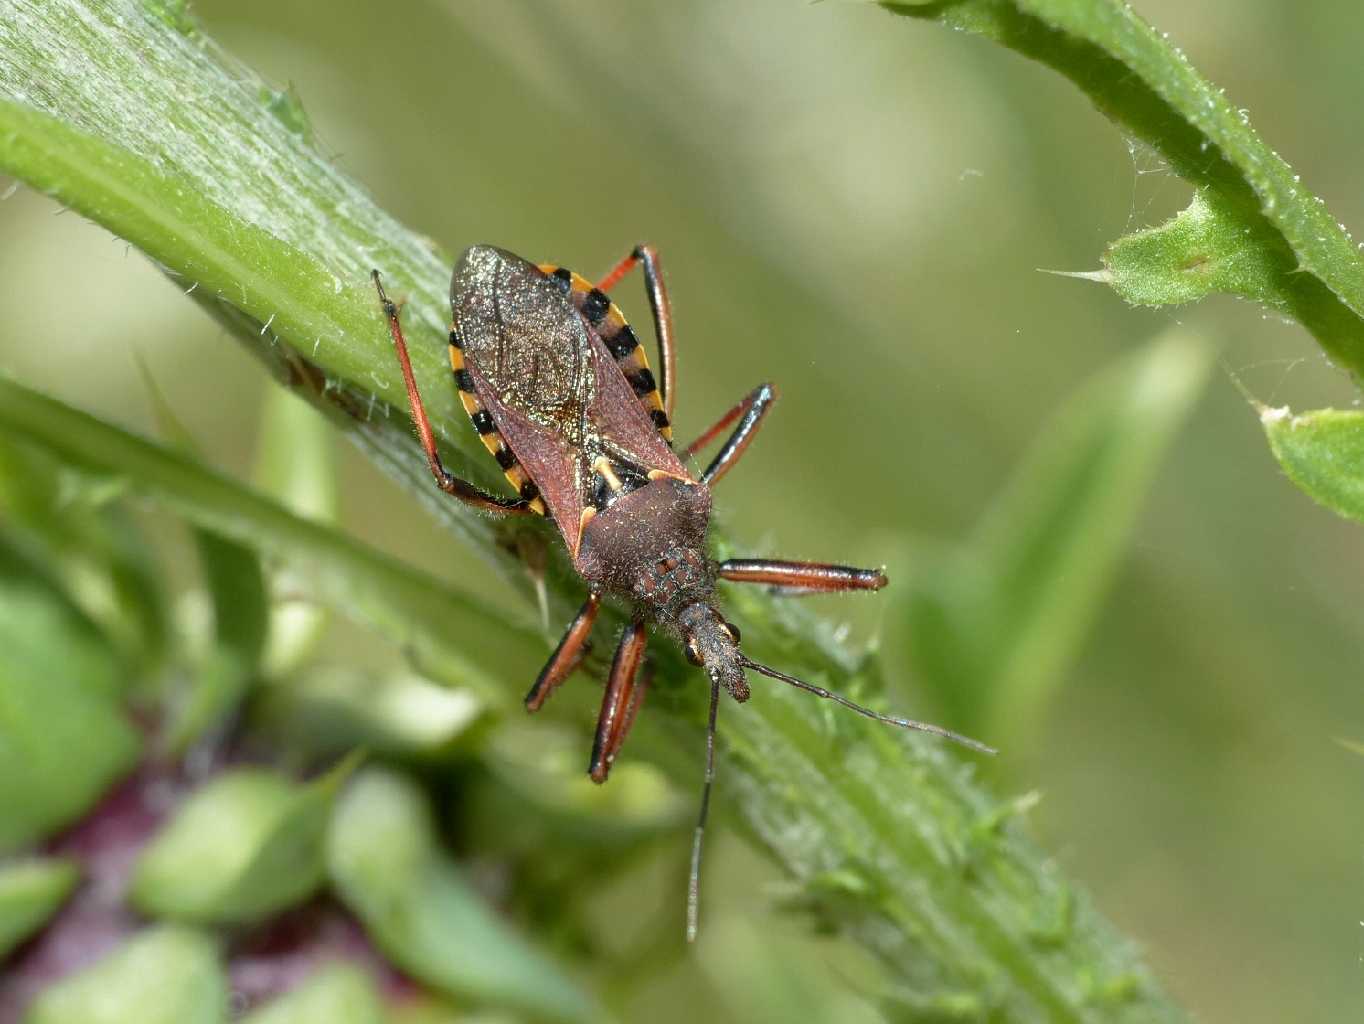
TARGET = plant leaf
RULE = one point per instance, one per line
(335, 994)
(90, 552)
(236, 586)
(1253, 229)
(57, 695)
(331, 709)
(1323, 453)
(296, 465)
(31, 891)
(296, 457)
(165, 975)
(246, 845)
(410, 606)
(419, 910)
(994, 625)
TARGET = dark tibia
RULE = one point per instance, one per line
(749, 413)
(616, 703)
(567, 656)
(647, 257)
(801, 577)
(622, 725)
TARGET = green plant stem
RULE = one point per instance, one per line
(1279, 245)
(127, 114)
(419, 612)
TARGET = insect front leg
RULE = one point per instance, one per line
(801, 577)
(567, 656)
(749, 413)
(619, 703)
(447, 482)
(647, 257)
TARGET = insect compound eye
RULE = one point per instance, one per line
(693, 655)
(732, 630)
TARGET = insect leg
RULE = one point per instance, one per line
(452, 485)
(621, 729)
(616, 703)
(749, 413)
(647, 257)
(801, 577)
(567, 656)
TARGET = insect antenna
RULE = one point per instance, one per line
(694, 878)
(904, 723)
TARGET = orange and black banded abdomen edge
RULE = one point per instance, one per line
(487, 429)
(619, 337)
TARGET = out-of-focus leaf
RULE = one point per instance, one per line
(994, 624)
(766, 982)
(207, 700)
(417, 907)
(332, 709)
(236, 586)
(336, 994)
(1323, 453)
(424, 1010)
(31, 891)
(417, 610)
(296, 456)
(83, 649)
(63, 738)
(537, 787)
(296, 464)
(247, 844)
(233, 575)
(90, 549)
(166, 975)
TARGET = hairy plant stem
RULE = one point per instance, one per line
(1279, 244)
(125, 112)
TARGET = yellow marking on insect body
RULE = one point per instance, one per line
(659, 474)
(583, 520)
(602, 467)
(492, 440)
(609, 325)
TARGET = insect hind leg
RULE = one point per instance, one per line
(446, 481)
(567, 656)
(800, 577)
(646, 256)
(620, 701)
(749, 413)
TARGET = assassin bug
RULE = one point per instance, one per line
(559, 389)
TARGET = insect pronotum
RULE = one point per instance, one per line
(558, 387)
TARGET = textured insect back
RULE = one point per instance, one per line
(487, 429)
(620, 339)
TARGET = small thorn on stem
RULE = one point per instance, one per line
(1101, 276)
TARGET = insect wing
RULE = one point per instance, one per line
(529, 360)
(546, 391)
(622, 423)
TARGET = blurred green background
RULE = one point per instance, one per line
(856, 206)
